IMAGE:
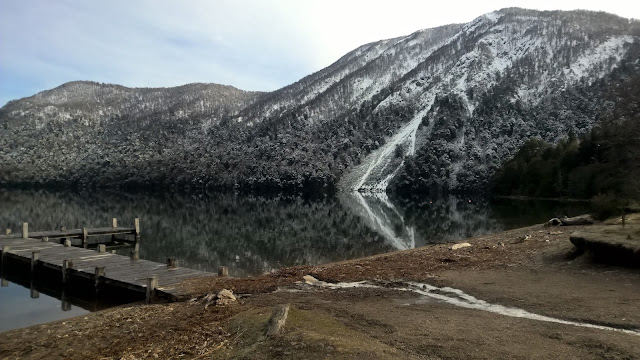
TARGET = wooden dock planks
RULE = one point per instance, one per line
(119, 270)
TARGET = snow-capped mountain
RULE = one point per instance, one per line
(441, 108)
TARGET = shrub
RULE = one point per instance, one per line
(604, 206)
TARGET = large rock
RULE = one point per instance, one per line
(222, 298)
(617, 248)
(460, 245)
(225, 297)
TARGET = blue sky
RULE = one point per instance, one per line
(250, 44)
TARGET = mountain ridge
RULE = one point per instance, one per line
(355, 125)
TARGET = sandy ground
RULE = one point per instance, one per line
(532, 268)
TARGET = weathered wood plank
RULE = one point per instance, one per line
(114, 269)
(77, 233)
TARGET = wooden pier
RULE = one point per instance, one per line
(82, 234)
(97, 267)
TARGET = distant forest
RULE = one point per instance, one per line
(587, 162)
(605, 161)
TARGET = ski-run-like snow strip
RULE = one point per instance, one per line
(612, 48)
(406, 133)
(459, 298)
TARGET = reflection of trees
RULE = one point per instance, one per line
(205, 232)
(452, 218)
(449, 219)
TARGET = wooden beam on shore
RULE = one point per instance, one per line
(277, 320)
(25, 230)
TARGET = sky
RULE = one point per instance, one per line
(250, 44)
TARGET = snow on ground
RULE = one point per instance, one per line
(493, 55)
(377, 161)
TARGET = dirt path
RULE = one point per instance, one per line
(531, 269)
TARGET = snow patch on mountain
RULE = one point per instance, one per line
(378, 168)
(608, 54)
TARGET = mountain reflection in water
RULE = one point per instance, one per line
(252, 235)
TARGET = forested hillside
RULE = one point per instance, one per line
(462, 152)
(603, 161)
(438, 110)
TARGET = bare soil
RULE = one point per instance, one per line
(533, 268)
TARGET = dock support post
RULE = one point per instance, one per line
(85, 237)
(65, 304)
(45, 239)
(135, 253)
(171, 262)
(102, 248)
(4, 282)
(99, 272)
(137, 229)
(223, 271)
(63, 228)
(66, 266)
(25, 230)
(5, 250)
(67, 243)
(34, 293)
(7, 232)
(152, 284)
(114, 224)
(35, 256)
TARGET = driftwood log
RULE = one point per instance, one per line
(569, 221)
(277, 320)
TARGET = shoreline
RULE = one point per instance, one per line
(556, 199)
(532, 268)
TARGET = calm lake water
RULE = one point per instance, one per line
(22, 308)
(252, 235)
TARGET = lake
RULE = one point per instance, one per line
(252, 235)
